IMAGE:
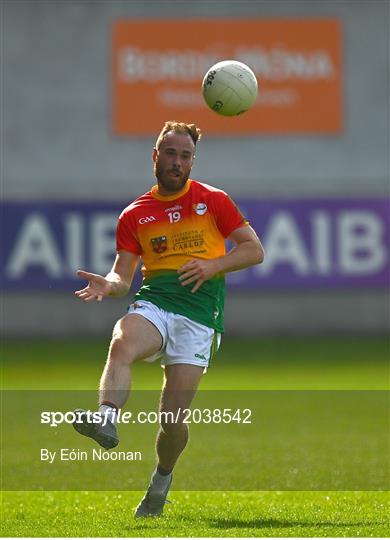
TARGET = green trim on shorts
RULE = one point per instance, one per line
(214, 347)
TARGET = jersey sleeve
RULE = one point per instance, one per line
(126, 235)
(227, 215)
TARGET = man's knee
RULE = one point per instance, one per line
(172, 423)
(121, 348)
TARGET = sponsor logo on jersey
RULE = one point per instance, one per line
(147, 219)
(200, 208)
(173, 208)
(159, 244)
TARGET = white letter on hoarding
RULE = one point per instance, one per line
(283, 245)
(129, 65)
(361, 232)
(74, 242)
(322, 256)
(103, 228)
(35, 246)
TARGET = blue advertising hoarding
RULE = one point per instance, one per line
(315, 243)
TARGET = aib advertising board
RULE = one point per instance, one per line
(316, 243)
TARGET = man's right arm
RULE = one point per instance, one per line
(122, 273)
(116, 283)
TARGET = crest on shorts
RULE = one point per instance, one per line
(159, 244)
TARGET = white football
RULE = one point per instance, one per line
(230, 88)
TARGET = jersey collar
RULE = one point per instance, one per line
(180, 193)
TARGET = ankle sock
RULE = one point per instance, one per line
(163, 472)
(110, 412)
(160, 482)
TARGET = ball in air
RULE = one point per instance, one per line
(230, 88)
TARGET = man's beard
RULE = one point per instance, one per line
(169, 183)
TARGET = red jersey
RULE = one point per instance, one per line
(168, 231)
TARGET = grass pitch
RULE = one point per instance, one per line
(240, 364)
(210, 514)
(292, 364)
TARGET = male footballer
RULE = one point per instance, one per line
(178, 229)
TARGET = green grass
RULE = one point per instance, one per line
(211, 514)
(263, 364)
(294, 363)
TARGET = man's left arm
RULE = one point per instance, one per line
(246, 252)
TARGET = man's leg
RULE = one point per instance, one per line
(134, 338)
(180, 385)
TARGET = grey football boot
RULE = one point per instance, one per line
(106, 435)
(152, 503)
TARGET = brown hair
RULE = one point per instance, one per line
(179, 127)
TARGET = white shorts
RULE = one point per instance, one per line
(184, 341)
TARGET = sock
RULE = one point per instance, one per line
(160, 482)
(163, 472)
(110, 412)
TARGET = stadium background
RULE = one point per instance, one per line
(58, 145)
(62, 166)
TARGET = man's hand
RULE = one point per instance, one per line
(97, 287)
(247, 251)
(198, 271)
